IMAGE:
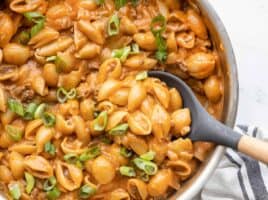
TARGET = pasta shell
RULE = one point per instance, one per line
(136, 95)
(81, 131)
(137, 189)
(70, 80)
(106, 106)
(196, 24)
(127, 26)
(145, 41)
(90, 31)
(65, 127)
(16, 54)
(87, 108)
(162, 94)
(16, 164)
(120, 97)
(180, 167)
(68, 176)
(22, 6)
(24, 147)
(79, 38)
(186, 40)
(183, 148)
(108, 88)
(137, 144)
(200, 65)
(31, 128)
(110, 68)
(116, 118)
(6, 29)
(160, 148)
(44, 37)
(119, 194)
(3, 100)
(160, 122)
(9, 72)
(103, 170)
(175, 99)
(43, 135)
(72, 146)
(38, 166)
(5, 174)
(147, 106)
(139, 123)
(7, 117)
(39, 85)
(181, 120)
(88, 51)
(160, 182)
(53, 48)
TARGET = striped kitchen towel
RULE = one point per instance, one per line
(238, 176)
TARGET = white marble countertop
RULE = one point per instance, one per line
(246, 22)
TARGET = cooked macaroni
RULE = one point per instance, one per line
(80, 118)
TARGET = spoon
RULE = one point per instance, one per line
(205, 128)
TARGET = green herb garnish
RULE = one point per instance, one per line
(127, 171)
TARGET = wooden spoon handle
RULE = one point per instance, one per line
(253, 147)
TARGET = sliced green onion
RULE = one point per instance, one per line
(113, 25)
(50, 183)
(71, 94)
(134, 2)
(16, 107)
(70, 158)
(120, 3)
(125, 152)
(148, 156)
(49, 119)
(38, 19)
(142, 76)
(127, 171)
(30, 181)
(87, 191)
(135, 48)
(34, 16)
(161, 53)
(122, 54)
(53, 194)
(119, 130)
(29, 111)
(106, 140)
(51, 58)
(100, 123)
(96, 113)
(63, 95)
(90, 154)
(60, 64)
(37, 28)
(148, 167)
(40, 111)
(24, 37)
(143, 176)
(14, 190)
(50, 148)
(158, 24)
(14, 132)
(99, 2)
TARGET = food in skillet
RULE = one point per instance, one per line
(80, 118)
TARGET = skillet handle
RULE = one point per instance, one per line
(254, 148)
